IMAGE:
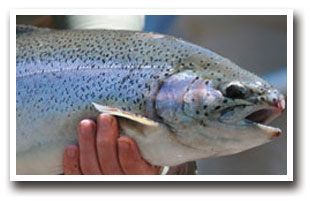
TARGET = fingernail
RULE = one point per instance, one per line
(85, 128)
(71, 152)
(106, 121)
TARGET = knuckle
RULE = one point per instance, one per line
(103, 142)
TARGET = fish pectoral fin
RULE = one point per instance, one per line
(120, 113)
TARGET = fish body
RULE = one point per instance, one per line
(178, 101)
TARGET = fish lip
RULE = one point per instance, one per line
(259, 117)
(272, 131)
(262, 114)
(270, 114)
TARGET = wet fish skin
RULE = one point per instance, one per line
(59, 73)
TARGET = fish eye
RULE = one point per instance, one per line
(235, 91)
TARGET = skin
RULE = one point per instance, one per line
(100, 151)
(59, 73)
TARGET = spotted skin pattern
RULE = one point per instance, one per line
(59, 73)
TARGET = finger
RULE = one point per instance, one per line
(107, 134)
(131, 160)
(87, 144)
(71, 160)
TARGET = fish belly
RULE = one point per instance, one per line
(49, 107)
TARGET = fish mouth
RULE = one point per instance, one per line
(262, 116)
(258, 118)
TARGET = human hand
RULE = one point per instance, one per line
(102, 151)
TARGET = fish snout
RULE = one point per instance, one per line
(277, 100)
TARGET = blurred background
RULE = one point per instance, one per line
(256, 43)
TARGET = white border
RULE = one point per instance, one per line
(288, 177)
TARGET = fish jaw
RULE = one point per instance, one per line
(219, 139)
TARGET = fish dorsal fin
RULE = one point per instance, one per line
(120, 113)
(23, 28)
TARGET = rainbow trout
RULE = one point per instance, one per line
(178, 101)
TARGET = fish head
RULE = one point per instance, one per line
(223, 109)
